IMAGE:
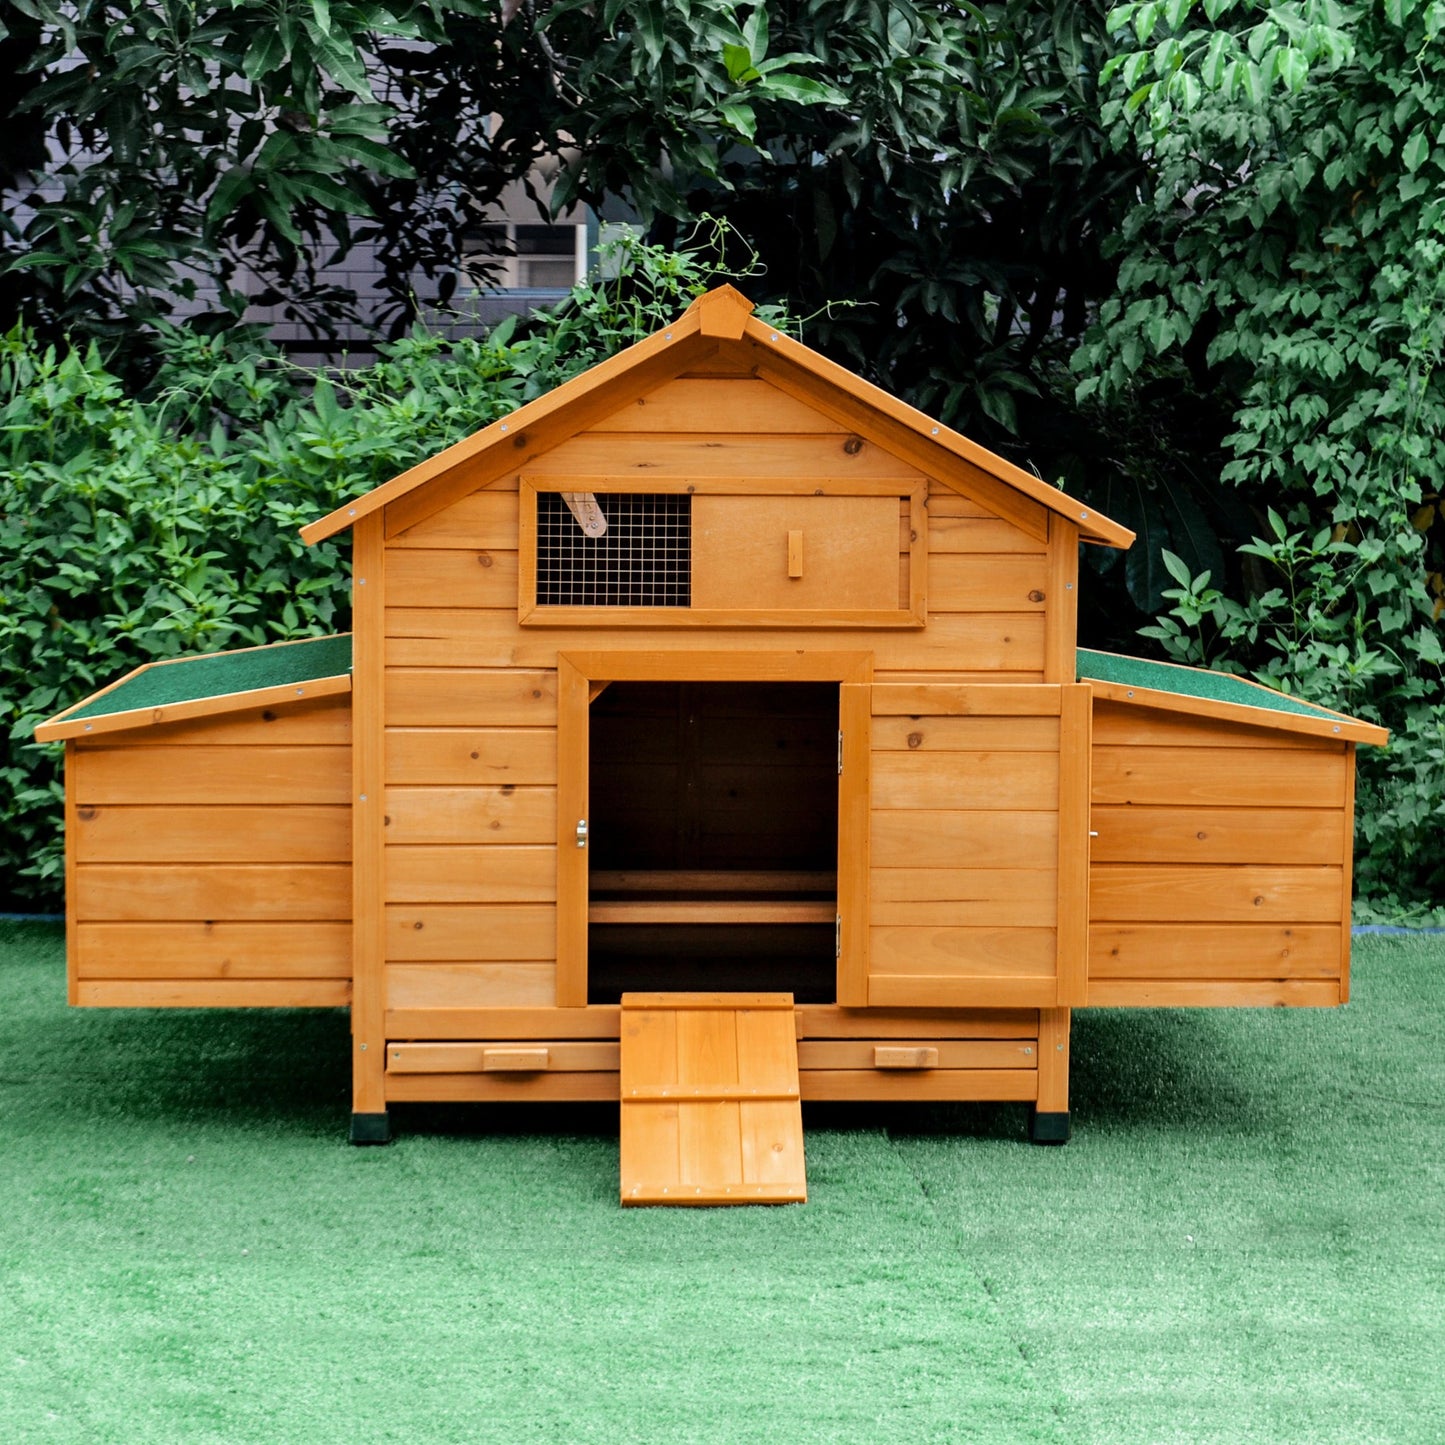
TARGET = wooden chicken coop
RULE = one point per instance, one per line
(711, 737)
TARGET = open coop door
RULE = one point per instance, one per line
(963, 845)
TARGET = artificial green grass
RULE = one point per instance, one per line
(1197, 682)
(1241, 1244)
(219, 674)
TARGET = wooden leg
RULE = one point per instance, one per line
(369, 1124)
(1050, 1121)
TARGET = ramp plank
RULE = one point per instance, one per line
(710, 1100)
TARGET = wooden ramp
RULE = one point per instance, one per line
(710, 1109)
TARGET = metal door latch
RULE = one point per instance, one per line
(581, 832)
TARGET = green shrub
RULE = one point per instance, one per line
(138, 528)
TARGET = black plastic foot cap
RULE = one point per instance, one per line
(1049, 1128)
(376, 1129)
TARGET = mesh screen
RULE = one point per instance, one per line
(644, 559)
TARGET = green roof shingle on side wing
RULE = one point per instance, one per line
(1113, 667)
(193, 679)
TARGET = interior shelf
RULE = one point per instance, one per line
(712, 896)
(713, 910)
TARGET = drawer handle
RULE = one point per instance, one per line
(899, 1058)
(795, 554)
(515, 1061)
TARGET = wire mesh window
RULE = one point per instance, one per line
(643, 559)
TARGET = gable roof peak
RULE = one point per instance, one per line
(723, 312)
(718, 317)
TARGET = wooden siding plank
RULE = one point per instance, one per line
(1217, 835)
(470, 933)
(1224, 777)
(1213, 993)
(451, 576)
(213, 950)
(749, 404)
(940, 838)
(962, 991)
(213, 993)
(944, 699)
(471, 815)
(485, 520)
(1005, 583)
(437, 640)
(935, 1085)
(1203, 951)
(203, 774)
(836, 456)
(469, 985)
(462, 697)
(325, 720)
(567, 1087)
(976, 533)
(913, 951)
(468, 756)
(1205, 893)
(826, 1021)
(902, 733)
(456, 873)
(243, 891)
(1125, 726)
(974, 781)
(597, 1022)
(236, 833)
(964, 897)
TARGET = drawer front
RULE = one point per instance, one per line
(510, 1056)
(914, 1055)
(814, 554)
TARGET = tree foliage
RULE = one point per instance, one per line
(1287, 257)
(134, 528)
(936, 168)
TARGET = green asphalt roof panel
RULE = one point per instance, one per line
(194, 678)
(1190, 682)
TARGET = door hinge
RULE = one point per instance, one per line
(838, 935)
(840, 752)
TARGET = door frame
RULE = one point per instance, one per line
(581, 678)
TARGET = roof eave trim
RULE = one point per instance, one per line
(61, 727)
(506, 428)
(1093, 526)
(1334, 727)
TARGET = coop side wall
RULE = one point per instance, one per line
(471, 696)
(208, 862)
(1220, 873)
